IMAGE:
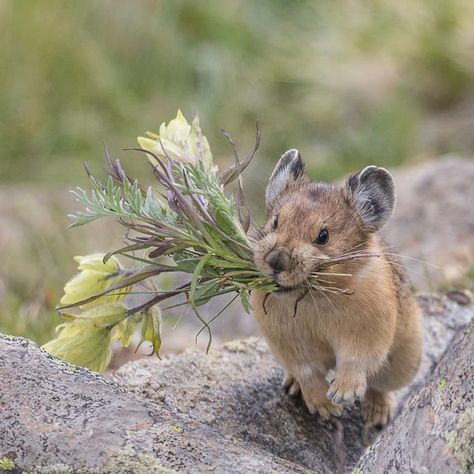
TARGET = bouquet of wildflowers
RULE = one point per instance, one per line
(185, 223)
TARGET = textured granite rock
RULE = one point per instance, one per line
(433, 222)
(58, 418)
(221, 413)
(237, 391)
(444, 315)
(435, 431)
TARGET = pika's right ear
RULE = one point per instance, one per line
(373, 193)
(287, 171)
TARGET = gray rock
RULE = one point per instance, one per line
(433, 224)
(59, 418)
(435, 431)
(224, 412)
(237, 391)
(443, 317)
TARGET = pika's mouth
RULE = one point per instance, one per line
(286, 289)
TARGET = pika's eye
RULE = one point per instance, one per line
(275, 222)
(322, 238)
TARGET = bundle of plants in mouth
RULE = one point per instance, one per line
(184, 223)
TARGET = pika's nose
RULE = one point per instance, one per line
(279, 260)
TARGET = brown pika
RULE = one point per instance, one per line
(361, 319)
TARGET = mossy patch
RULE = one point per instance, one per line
(461, 441)
(6, 464)
(125, 460)
(55, 469)
(177, 429)
(128, 460)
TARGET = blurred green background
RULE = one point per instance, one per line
(348, 83)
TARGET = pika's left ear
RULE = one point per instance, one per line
(373, 193)
(288, 171)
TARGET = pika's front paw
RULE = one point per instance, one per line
(347, 389)
(291, 385)
(324, 407)
(314, 394)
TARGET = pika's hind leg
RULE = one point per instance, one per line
(314, 389)
(290, 384)
(377, 407)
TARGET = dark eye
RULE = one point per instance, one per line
(275, 222)
(322, 238)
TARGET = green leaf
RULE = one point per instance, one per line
(205, 292)
(244, 298)
(197, 274)
(185, 261)
(194, 282)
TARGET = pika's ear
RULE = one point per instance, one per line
(289, 169)
(373, 193)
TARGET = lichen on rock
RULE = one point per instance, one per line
(461, 441)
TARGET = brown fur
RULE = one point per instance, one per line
(371, 336)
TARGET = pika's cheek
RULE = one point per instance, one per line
(286, 279)
(307, 258)
(291, 278)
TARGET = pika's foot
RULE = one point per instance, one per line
(325, 408)
(346, 388)
(377, 408)
(291, 385)
(314, 394)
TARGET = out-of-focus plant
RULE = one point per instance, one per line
(233, 60)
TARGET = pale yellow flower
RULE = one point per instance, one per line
(86, 340)
(177, 131)
(96, 263)
(181, 141)
(95, 277)
(104, 315)
(126, 329)
(151, 329)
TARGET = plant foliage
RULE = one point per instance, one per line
(185, 224)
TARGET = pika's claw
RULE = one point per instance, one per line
(314, 393)
(346, 390)
(325, 408)
(295, 389)
(291, 385)
(288, 380)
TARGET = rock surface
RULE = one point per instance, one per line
(224, 412)
(58, 418)
(435, 431)
(433, 222)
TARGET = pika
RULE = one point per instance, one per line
(360, 318)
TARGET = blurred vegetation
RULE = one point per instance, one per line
(348, 83)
